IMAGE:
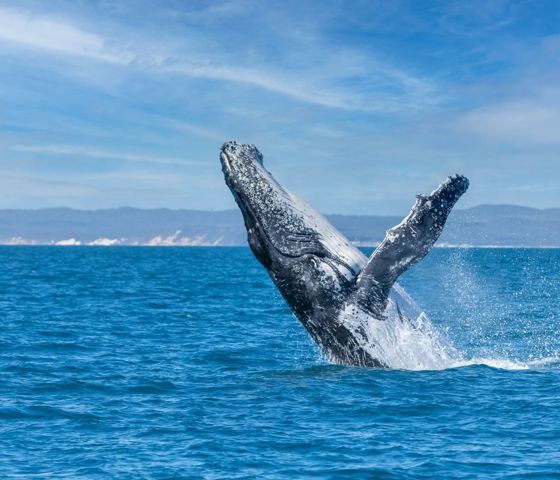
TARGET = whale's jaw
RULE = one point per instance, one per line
(279, 224)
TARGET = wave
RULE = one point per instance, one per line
(498, 363)
(507, 364)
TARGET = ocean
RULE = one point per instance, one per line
(161, 363)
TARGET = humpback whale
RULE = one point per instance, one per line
(343, 299)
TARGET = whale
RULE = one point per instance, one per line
(344, 300)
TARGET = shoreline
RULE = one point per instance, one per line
(210, 245)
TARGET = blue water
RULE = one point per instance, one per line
(186, 363)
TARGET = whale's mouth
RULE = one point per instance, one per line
(239, 163)
(226, 166)
(232, 173)
(228, 170)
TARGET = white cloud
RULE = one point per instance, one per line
(17, 189)
(526, 122)
(191, 128)
(308, 85)
(95, 153)
(475, 18)
(317, 83)
(30, 30)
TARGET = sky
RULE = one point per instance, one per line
(357, 106)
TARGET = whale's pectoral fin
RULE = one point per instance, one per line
(406, 244)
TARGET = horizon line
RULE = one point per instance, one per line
(514, 205)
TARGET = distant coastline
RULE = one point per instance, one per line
(64, 244)
(485, 226)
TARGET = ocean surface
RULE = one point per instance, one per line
(131, 362)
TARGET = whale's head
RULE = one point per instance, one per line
(308, 259)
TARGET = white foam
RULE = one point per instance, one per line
(399, 341)
(500, 363)
(544, 362)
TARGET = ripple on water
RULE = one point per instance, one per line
(186, 363)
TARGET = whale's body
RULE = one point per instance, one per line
(341, 297)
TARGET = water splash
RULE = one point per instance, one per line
(406, 339)
(492, 317)
(405, 344)
(495, 309)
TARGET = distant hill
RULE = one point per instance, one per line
(485, 225)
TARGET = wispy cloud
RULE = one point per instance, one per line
(84, 151)
(17, 186)
(190, 128)
(375, 87)
(56, 36)
(530, 121)
(477, 18)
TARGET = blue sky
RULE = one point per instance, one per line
(356, 105)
